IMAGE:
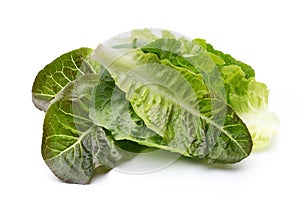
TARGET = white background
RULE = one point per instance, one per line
(264, 34)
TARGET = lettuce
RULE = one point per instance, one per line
(247, 97)
(175, 105)
(149, 89)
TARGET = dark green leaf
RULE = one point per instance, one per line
(167, 99)
(59, 73)
(72, 144)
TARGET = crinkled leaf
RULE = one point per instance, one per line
(246, 96)
(249, 99)
(59, 73)
(232, 80)
(114, 112)
(168, 104)
(222, 59)
(72, 144)
(185, 54)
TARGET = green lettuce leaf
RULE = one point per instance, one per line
(73, 146)
(188, 55)
(222, 59)
(114, 112)
(249, 99)
(246, 96)
(59, 73)
(233, 81)
(169, 105)
(149, 88)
